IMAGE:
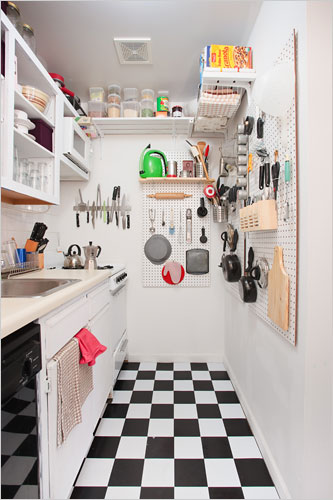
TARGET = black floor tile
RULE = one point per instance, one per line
(32, 477)
(186, 427)
(164, 366)
(227, 397)
(8, 491)
(124, 385)
(208, 411)
(162, 411)
(142, 396)
(221, 375)
(21, 424)
(115, 410)
(157, 493)
(4, 459)
(126, 472)
(216, 447)
(190, 472)
(203, 385)
(136, 427)
(28, 448)
(253, 472)
(163, 385)
(16, 405)
(130, 366)
(199, 366)
(226, 493)
(184, 397)
(182, 375)
(89, 492)
(237, 427)
(146, 375)
(160, 447)
(104, 447)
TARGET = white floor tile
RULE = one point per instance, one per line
(123, 492)
(161, 397)
(185, 411)
(260, 493)
(223, 385)
(205, 397)
(132, 447)
(216, 367)
(121, 397)
(147, 366)
(158, 473)
(212, 427)
(164, 375)
(127, 375)
(184, 493)
(139, 411)
(161, 427)
(110, 427)
(204, 375)
(183, 385)
(244, 447)
(95, 472)
(231, 411)
(188, 447)
(221, 472)
(143, 385)
(182, 367)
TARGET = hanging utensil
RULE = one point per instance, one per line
(118, 206)
(81, 205)
(278, 291)
(99, 200)
(169, 196)
(202, 210)
(152, 215)
(163, 218)
(108, 211)
(276, 173)
(286, 181)
(113, 205)
(180, 230)
(104, 211)
(77, 217)
(123, 211)
(203, 238)
(93, 214)
(171, 223)
(188, 225)
(87, 212)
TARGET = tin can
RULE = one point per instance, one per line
(163, 101)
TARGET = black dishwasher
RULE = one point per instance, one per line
(20, 364)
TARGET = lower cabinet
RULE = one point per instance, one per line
(64, 461)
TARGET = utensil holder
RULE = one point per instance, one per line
(260, 216)
(220, 213)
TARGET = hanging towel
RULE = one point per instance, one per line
(85, 381)
(68, 389)
(90, 347)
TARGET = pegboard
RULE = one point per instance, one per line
(151, 273)
(263, 242)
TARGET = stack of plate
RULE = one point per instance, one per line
(23, 124)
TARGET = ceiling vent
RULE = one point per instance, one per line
(133, 50)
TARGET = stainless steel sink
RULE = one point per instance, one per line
(39, 287)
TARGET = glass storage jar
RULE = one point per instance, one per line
(14, 15)
(29, 36)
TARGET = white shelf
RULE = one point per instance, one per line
(71, 172)
(228, 77)
(23, 104)
(169, 125)
(176, 180)
(69, 110)
(28, 148)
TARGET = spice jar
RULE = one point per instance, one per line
(13, 14)
(114, 98)
(147, 94)
(147, 108)
(177, 111)
(130, 109)
(29, 36)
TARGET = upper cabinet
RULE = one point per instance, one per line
(32, 113)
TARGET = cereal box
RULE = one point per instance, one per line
(228, 56)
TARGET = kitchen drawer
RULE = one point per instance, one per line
(98, 298)
(61, 326)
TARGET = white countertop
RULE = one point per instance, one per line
(17, 312)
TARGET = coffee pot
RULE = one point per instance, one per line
(91, 253)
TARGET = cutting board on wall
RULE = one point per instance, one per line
(278, 291)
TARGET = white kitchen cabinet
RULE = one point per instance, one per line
(22, 67)
(60, 465)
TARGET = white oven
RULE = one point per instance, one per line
(118, 323)
(76, 144)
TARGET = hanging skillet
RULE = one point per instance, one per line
(230, 264)
(247, 285)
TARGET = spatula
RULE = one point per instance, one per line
(171, 225)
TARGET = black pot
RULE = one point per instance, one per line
(247, 289)
(231, 268)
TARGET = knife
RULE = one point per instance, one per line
(88, 211)
(113, 206)
(104, 211)
(123, 210)
(118, 206)
(108, 211)
(93, 214)
(99, 200)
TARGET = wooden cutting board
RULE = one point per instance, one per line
(278, 291)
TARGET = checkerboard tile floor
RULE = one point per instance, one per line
(174, 430)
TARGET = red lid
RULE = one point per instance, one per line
(68, 92)
(55, 76)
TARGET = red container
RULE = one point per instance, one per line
(43, 133)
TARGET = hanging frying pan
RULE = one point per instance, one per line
(247, 285)
(157, 249)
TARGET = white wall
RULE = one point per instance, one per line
(287, 391)
(162, 323)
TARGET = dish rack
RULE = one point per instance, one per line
(260, 216)
(22, 267)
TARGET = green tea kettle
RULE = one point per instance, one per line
(153, 163)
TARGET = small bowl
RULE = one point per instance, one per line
(37, 97)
